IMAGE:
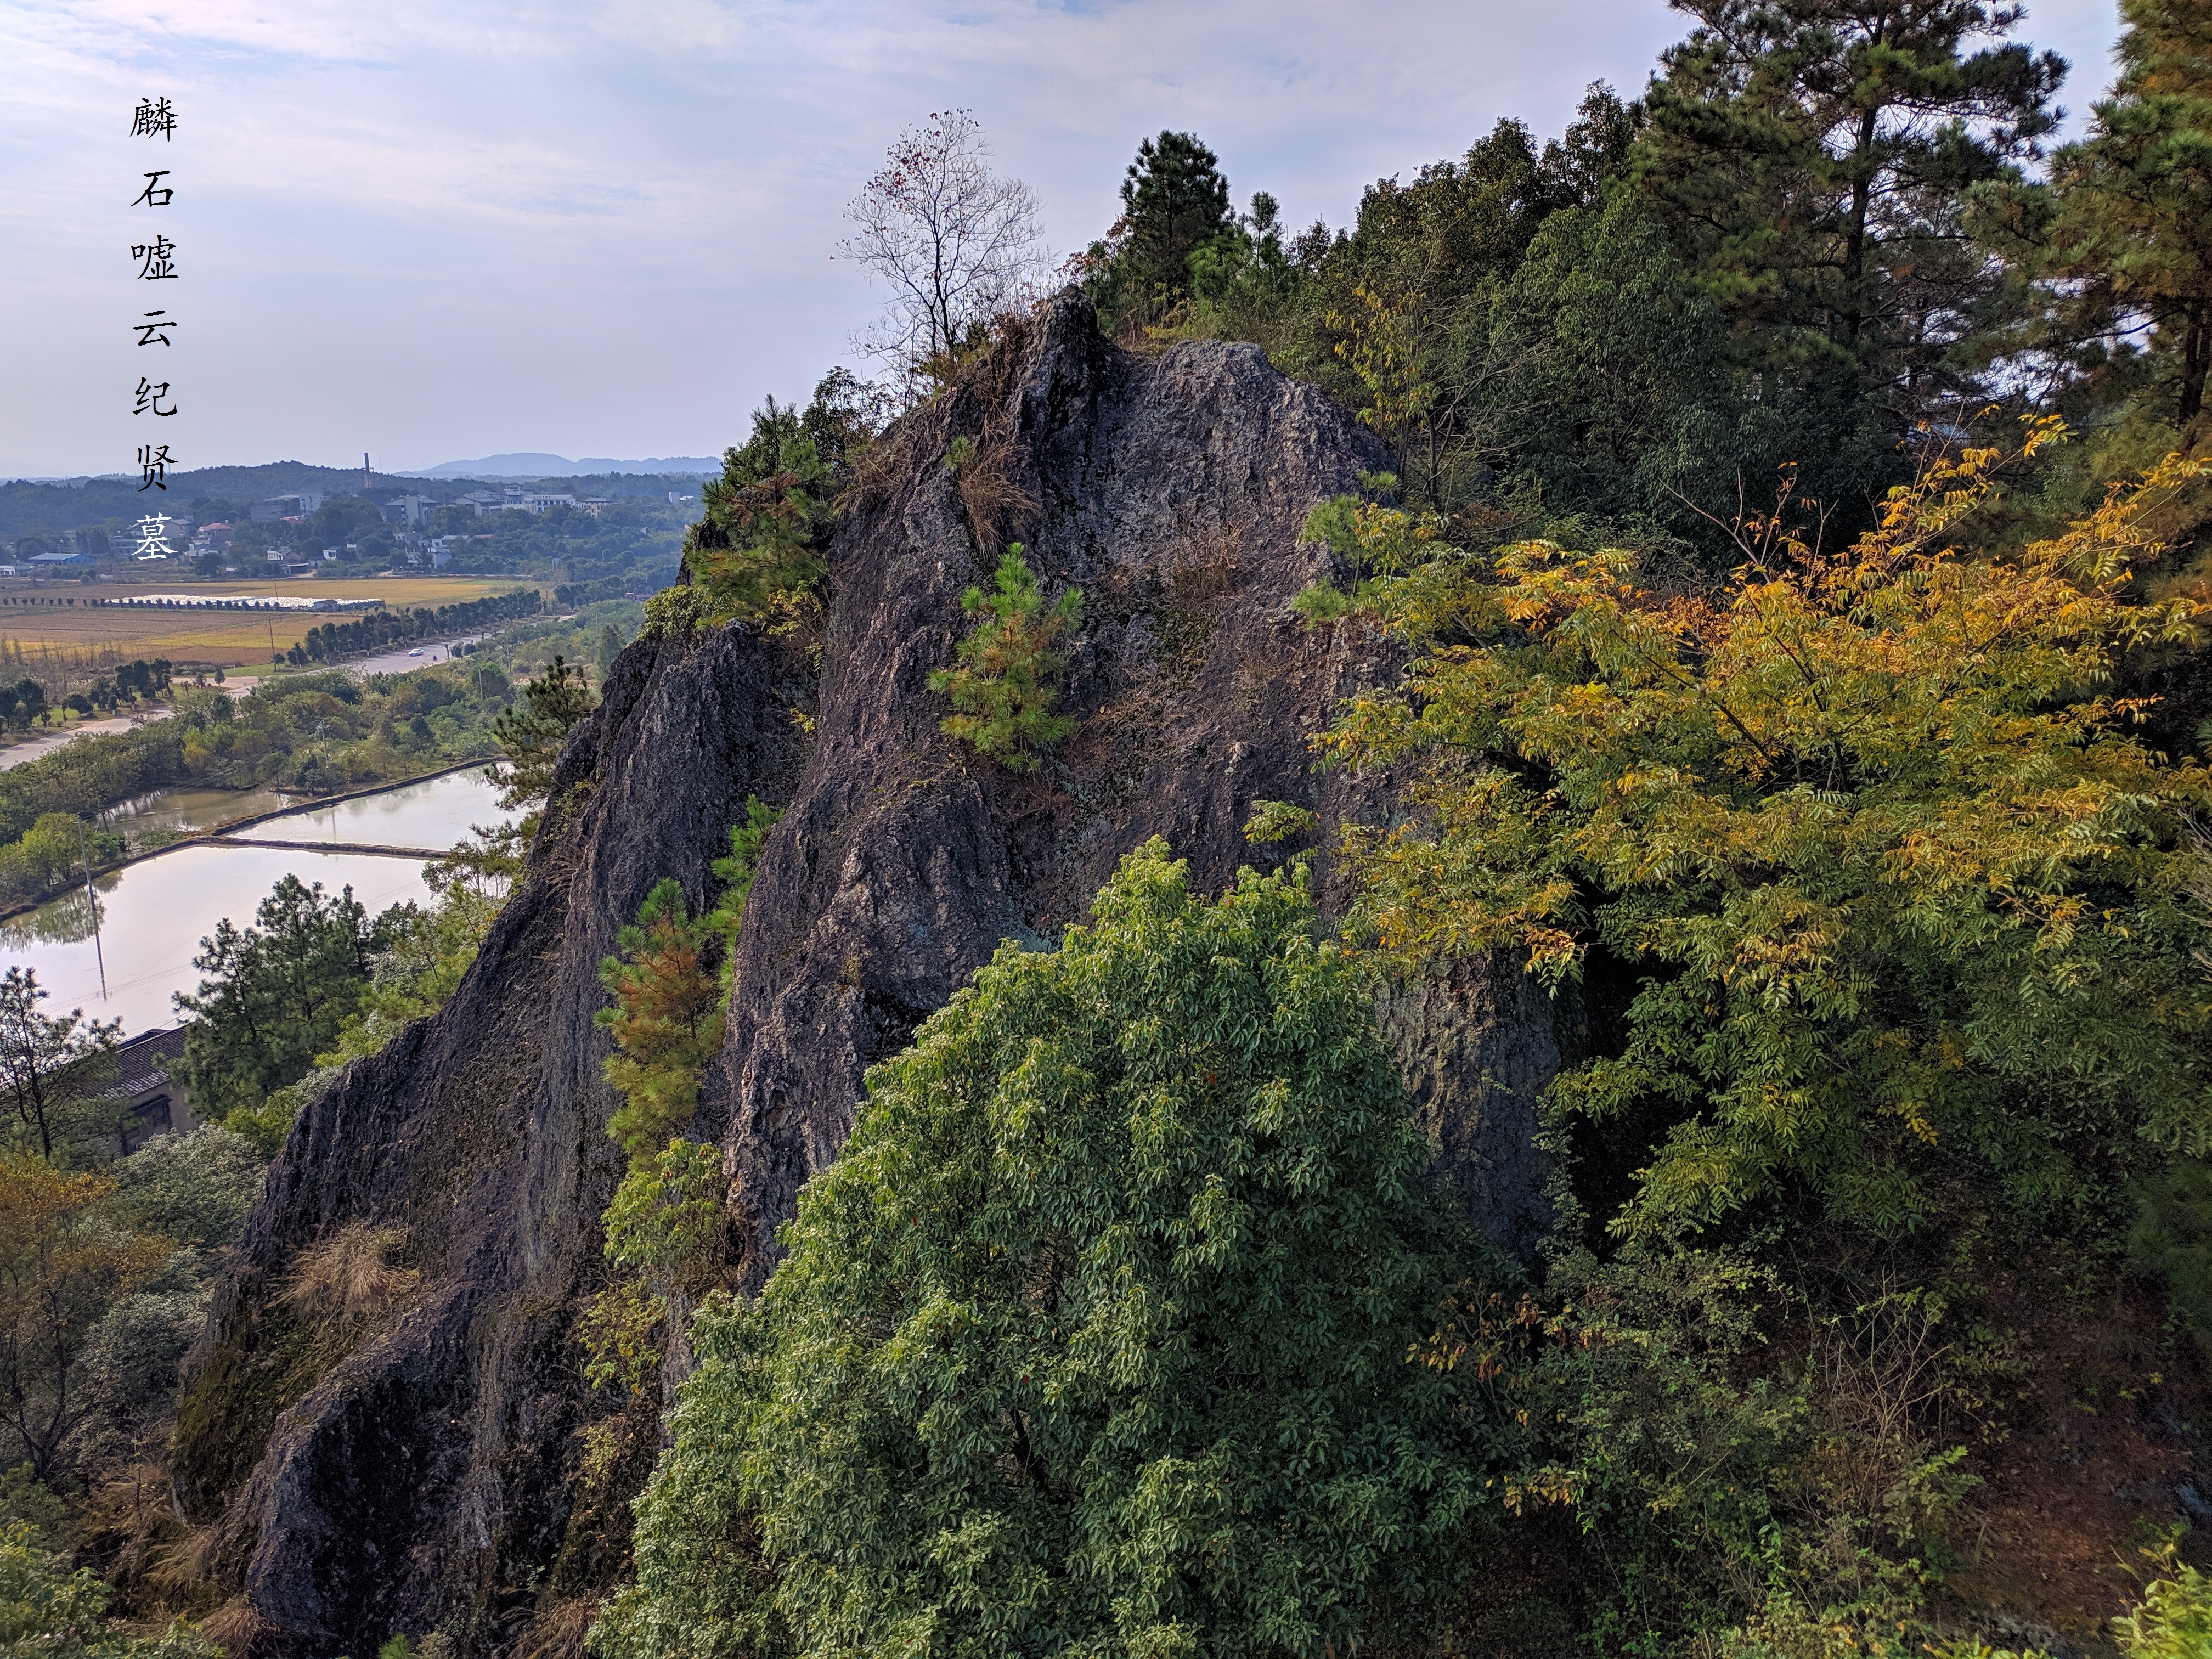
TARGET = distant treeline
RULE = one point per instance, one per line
(28, 508)
(380, 629)
(569, 596)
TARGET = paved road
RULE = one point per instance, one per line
(19, 754)
(398, 662)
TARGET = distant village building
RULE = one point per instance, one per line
(51, 561)
(407, 510)
(288, 507)
(149, 1087)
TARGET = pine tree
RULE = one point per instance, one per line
(532, 731)
(2124, 226)
(666, 1019)
(1175, 200)
(1812, 156)
(1000, 692)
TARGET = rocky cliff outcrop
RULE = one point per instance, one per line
(420, 1480)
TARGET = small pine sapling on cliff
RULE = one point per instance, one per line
(736, 873)
(532, 731)
(759, 549)
(671, 986)
(1003, 706)
(666, 1019)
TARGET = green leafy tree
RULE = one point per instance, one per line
(53, 1071)
(273, 996)
(1095, 1338)
(1394, 315)
(1902, 887)
(999, 690)
(417, 963)
(1605, 394)
(1813, 156)
(533, 731)
(195, 1189)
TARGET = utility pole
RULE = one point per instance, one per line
(91, 903)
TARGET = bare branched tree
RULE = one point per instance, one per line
(956, 243)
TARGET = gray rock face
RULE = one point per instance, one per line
(419, 1484)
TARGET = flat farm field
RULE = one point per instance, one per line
(83, 633)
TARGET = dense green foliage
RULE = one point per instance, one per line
(1095, 1339)
(54, 1069)
(1823, 228)
(48, 1612)
(61, 1267)
(1899, 903)
(104, 1277)
(416, 957)
(1000, 685)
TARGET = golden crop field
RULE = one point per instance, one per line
(83, 633)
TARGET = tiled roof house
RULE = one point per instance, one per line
(149, 1074)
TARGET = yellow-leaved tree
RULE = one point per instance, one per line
(1877, 832)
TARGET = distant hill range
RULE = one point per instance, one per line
(534, 465)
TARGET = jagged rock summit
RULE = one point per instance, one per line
(419, 1474)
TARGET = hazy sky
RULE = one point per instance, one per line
(437, 230)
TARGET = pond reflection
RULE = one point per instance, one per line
(62, 921)
(154, 914)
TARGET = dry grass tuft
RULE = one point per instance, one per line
(186, 1565)
(132, 1511)
(237, 1627)
(349, 1276)
(558, 1631)
(1204, 564)
(992, 491)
